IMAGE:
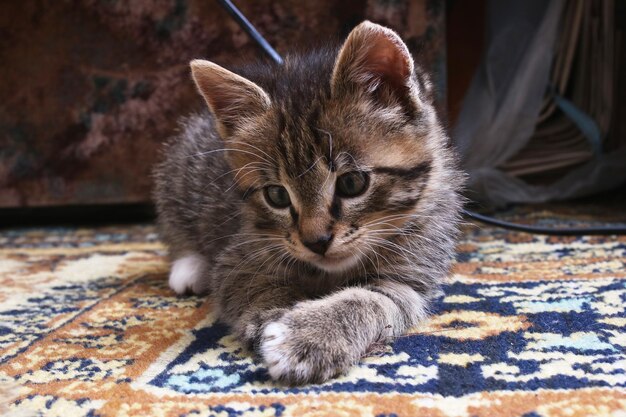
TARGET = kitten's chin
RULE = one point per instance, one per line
(336, 264)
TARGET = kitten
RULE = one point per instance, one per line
(317, 202)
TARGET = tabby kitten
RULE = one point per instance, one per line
(317, 202)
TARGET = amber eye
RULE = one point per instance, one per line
(352, 184)
(277, 196)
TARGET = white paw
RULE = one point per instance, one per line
(285, 359)
(186, 274)
(274, 349)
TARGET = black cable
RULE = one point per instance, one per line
(608, 230)
(539, 230)
(251, 30)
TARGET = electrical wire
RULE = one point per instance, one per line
(251, 30)
(540, 230)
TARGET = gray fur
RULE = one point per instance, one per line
(310, 322)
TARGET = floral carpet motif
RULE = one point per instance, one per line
(528, 326)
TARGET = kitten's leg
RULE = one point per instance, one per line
(247, 309)
(189, 274)
(319, 339)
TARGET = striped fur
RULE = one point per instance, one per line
(362, 107)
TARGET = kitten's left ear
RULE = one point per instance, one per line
(375, 60)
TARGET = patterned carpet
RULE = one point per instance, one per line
(529, 326)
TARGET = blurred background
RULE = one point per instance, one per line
(533, 91)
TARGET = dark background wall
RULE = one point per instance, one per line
(91, 88)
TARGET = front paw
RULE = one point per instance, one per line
(249, 329)
(298, 353)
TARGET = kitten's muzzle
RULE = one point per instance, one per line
(320, 245)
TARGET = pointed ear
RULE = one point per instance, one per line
(230, 97)
(376, 61)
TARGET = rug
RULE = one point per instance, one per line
(528, 326)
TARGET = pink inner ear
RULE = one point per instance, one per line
(375, 60)
(387, 61)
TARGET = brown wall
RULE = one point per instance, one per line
(465, 36)
(91, 88)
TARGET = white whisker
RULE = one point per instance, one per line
(311, 167)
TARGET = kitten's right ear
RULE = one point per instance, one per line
(376, 61)
(230, 97)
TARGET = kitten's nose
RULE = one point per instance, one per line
(320, 245)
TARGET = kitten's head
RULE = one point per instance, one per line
(333, 151)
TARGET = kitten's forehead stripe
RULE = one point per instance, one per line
(281, 142)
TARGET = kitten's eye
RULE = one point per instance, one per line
(352, 184)
(277, 196)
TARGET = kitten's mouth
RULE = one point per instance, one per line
(335, 263)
